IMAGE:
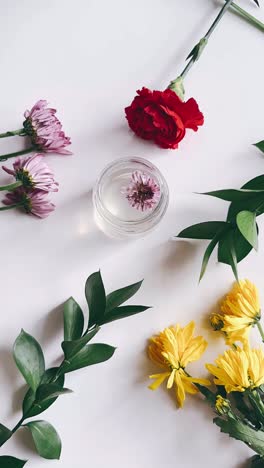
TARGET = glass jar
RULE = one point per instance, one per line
(114, 214)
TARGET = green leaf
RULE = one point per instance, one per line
(89, 355)
(208, 394)
(70, 348)
(46, 392)
(252, 204)
(123, 312)
(5, 434)
(11, 462)
(46, 439)
(205, 230)
(234, 195)
(257, 462)
(240, 431)
(211, 248)
(95, 296)
(246, 223)
(29, 398)
(260, 145)
(118, 297)
(29, 359)
(241, 246)
(198, 49)
(73, 320)
(233, 260)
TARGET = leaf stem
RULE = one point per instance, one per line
(261, 331)
(206, 37)
(20, 132)
(4, 157)
(18, 425)
(11, 187)
(10, 207)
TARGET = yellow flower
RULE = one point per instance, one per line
(239, 369)
(222, 405)
(240, 311)
(173, 349)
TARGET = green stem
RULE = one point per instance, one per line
(261, 331)
(10, 207)
(206, 37)
(4, 157)
(18, 425)
(11, 187)
(21, 132)
(251, 19)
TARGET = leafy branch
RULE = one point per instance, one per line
(46, 385)
(238, 235)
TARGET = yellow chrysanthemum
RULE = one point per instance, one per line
(222, 405)
(173, 349)
(238, 369)
(240, 311)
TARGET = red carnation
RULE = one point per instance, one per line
(163, 117)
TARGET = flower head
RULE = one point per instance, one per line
(34, 173)
(173, 349)
(162, 116)
(222, 405)
(45, 129)
(240, 311)
(34, 202)
(239, 369)
(143, 192)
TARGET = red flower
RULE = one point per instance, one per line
(163, 117)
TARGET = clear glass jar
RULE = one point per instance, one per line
(113, 213)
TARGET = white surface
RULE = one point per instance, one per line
(88, 58)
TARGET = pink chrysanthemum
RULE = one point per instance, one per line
(143, 192)
(35, 202)
(34, 173)
(45, 129)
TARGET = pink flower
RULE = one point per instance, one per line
(45, 129)
(34, 173)
(143, 192)
(34, 202)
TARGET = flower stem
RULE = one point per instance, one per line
(4, 157)
(10, 207)
(251, 19)
(11, 187)
(18, 425)
(261, 331)
(20, 132)
(196, 52)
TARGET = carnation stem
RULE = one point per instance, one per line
(4, 157)
(261, 331)
(251, 19)
(20, 132)
(196, 55)
(11, 187)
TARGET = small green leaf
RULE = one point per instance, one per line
(211, 248)
(198, 49)
(205, 230)
(29, 359)
(5, 434)
(240, 431)
(260, 145)
(29, 408)
(257, 462)
(118, 297)
(70, 348)
(252, 204)
(233, 260)
(95, 296)
(246, 223)
(123, 312)
(89, 355)
(46, 392)
(11, 462)
(73, 320)
(234, 195)
(46, 439)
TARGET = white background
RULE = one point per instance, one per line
(88, 58)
